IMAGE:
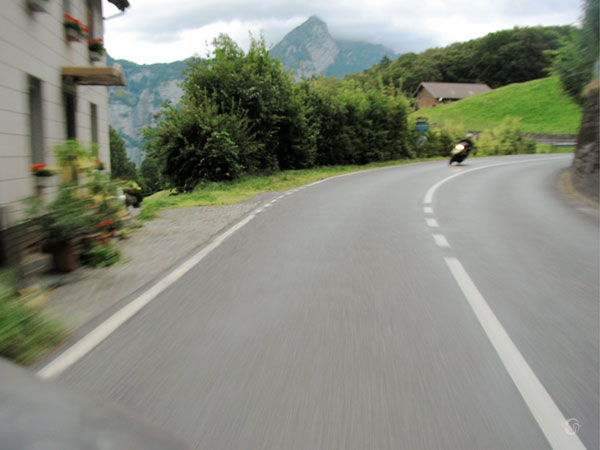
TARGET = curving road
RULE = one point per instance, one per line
(362, 313)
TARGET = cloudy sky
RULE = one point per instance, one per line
(167, 30)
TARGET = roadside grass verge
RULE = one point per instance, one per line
(228, 193)
(26, 333)
(540, 105)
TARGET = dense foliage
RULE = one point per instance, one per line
(241, 114)
(26, 333)
(120, 165)
(574, 61)
(498, 59)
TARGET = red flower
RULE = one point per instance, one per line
(105, 223)
(35, 167)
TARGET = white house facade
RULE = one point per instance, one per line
(52, 88)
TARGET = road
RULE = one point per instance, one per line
(348, 315)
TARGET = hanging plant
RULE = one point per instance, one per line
(96, 45)
(74, 28)
(41, 170)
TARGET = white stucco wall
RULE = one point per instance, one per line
(34, 43)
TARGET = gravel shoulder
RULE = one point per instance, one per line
(86, 294)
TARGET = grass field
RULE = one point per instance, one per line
(541, 106)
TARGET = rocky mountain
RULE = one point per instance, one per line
(311, 50)
(132, 107)
(308, 49)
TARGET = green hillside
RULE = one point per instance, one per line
(541, 106)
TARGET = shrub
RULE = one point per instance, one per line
(100, 255)
(26, 333)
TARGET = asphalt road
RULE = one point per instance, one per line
(332, 320)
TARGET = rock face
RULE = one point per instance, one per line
(132, 107)
(310, 50)
(587, 154)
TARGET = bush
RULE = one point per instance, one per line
(221, 159)
(506, 139)
(26, 333)
(100, 255)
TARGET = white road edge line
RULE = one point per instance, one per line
(441, 240)
(427, 209)
(541, 405)
(82, 347)
(86, 344)
(430, 193)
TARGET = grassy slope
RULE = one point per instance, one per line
(542, 105)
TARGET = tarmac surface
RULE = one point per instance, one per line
(86, 294)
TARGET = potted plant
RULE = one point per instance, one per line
(96, 48)
(41, 172)
(64, 223)
(74, 29)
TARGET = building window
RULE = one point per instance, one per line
(35, 120)
(94, 124)
(70, 100)
(90, 17)
(67, 6)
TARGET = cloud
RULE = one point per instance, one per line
(163, 30)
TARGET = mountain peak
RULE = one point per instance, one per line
(310, 49)
(314, 20)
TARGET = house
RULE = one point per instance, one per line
(432, 94)
(53, 79)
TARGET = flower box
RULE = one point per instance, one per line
(95, 56)
(96, 48)
(74, 29)
(72, 35)
(41, 170)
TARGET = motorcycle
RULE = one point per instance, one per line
(461, 151)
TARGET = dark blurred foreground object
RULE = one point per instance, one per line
(41, 415)
(587, 152)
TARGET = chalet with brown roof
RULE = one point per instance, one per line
(433, 93)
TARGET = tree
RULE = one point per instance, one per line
(239, 114)
(574, 61)
(150, 176)
(120, 165)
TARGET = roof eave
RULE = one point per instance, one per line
(121, 4)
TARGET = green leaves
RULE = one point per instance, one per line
(241, 114)
(120, 165)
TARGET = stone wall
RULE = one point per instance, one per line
(587, 154)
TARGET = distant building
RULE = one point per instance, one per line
(52, 88)
(433, 94)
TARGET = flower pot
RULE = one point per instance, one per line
(38, 5)
(95, 56)
(72, 34)
(66, 257)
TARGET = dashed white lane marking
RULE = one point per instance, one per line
(541, 405)
(427, 209)
(441, 240)
(432, 222)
